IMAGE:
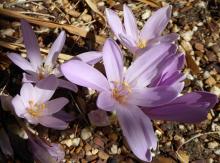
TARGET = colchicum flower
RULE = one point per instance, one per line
(189, 108)
(39, 68)
(126, 92)
(33, 103)
(45, 152)
(138, 41)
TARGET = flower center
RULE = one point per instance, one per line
(121, 91)
(35, 110)
(141, 43)
(44, 71)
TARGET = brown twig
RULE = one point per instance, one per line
(21, 48)
(69, 28)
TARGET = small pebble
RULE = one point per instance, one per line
(146, 14)
(86, 134)
(187, 36)
(213, 145)
(114, 149)
(103, 155)
(76, 142)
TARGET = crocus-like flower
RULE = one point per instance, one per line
(39, 68)
(138, 41)
(189, 108)
(45, 152)
(33, 103)
(124, 92)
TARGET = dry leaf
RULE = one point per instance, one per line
(183, 156)
(70, 28)
(162, 159)
(192, 64)
(152, 3)
(93, 6)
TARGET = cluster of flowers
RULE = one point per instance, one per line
(150, 88)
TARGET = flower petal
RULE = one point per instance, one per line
(18, 105)
(27, 93)
(128, 42)
(31, 44)
(21, 62)
(190, 108)
(154, 96)
(105, 101)
(45, 89)
(5, 144)
(67, 85)
(54, 105)
(98, 118)
(138, 131)
(169, 38)
(156, 23)
(114, 22)
(39, 151)
(130, 23)
(52, 122)
(91, 57)
(146, 66)
(27, 78)
(82, 74)
(56, 49)
(113, 61)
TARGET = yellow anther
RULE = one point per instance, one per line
(121, 91)
(35, 110)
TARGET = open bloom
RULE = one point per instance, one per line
(138, 41)
(124, 92)
(45, 152)
(33, 104)
(39, 68)
(189, 108)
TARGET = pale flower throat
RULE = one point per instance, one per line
(45, 70)
(35, 110)
(121, 91)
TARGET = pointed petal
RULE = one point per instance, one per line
(21, 62)
(129, 43)
(31, 44)
(52, 122)
(6, 102)
(113, 61)
(56, 49)
(190, 108)
(82, 74)
(67, 85)
(5, 144)
(130, 23)
(27, 93)
(138, 131)
(153, 96)
(114, 22)
(169, 38)
(91, 57)
(105, 101)
(39, 152)
(54, 105)
(146, 66)
(156, 23)
(27, 78)
(98, 118)
(67, 117)
(19, 107)
(45, 89)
